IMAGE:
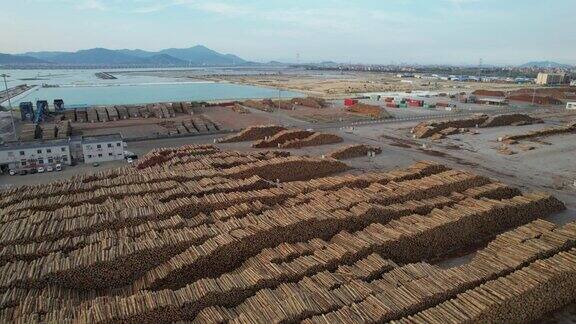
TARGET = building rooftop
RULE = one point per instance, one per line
(9, 146)
(101, 138)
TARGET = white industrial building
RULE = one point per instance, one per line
(35, 154)
(551, 78)
(102, 148)
(571, 105)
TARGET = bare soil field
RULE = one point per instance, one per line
(340, 85)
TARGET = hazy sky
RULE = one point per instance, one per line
(368, 31)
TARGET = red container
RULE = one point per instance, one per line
(414, 104)
(442, 104)
(350, 102)
(391, 105)
(389, 99)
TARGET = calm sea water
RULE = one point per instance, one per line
(82, 87)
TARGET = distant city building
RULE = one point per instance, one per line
(571, 105)
(551, 78)
(102, 148)
(31, 155)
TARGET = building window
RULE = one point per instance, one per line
(99, 154)
(117, 144)
(48, 150)
(40, 161)
(109, 154)
(64, 158)
(21, 153)
(99, 146)
(50, 160)
(89, 156)
(63, 149)
(39, 151)
(23, 163)
(109, 144)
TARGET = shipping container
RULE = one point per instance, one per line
(391, 105)
(389, 99)
(350, 102)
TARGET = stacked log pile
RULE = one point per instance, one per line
(282, 137)
(428, 129)
(260, 105)
(70, 114)
(197, 124)
(239, 109)
(353, 151)
(550, 131)
(133, 112)
(510, 119)
(114, 113)
(374, 112)
(48, 131)
(254, 133)
(310, 102)
(64, 129)
(275, 136)
(432, 128)
(195, 233)
(315, 139)
(81, 116)
(29, 132)
(92, 115)
(102, 113)
(122, 112)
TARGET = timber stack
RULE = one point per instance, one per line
(197, 233)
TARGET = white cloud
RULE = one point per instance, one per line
(90, 5)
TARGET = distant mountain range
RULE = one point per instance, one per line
(546, 65)
(193, 56)
(15, 59)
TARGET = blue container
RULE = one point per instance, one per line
(58, 104)
(41, 110)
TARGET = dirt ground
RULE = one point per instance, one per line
(333, 84)
(232, 120)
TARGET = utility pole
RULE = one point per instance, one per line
(534, 94)
(9, 105)
(279, 103)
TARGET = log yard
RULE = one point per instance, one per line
(405, 162)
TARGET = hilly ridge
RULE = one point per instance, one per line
(194, 56)
(545, 65)
(19, 59)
